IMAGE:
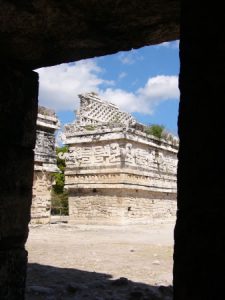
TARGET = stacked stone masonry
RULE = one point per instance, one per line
(115, 172)
(44, 166)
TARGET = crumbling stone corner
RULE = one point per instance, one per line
(45, 165)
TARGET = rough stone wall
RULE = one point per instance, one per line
(41, 200)
(120, 206)
(18, 110)
(37, 33)
(116, 159)
(45, 165)
(200, 228)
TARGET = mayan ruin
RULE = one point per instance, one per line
(44, 166)
(115, 172)
(181, 261)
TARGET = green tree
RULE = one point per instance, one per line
(60, 177)
(59, 195)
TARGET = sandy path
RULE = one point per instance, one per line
(83, 262)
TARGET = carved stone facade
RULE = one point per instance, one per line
(115, 172)
(44, 166)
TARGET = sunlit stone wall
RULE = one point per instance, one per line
(45, 165)
(115, 172)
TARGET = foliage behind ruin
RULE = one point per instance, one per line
(59, 195)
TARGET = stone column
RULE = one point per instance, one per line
(200, 229)
(18, 111)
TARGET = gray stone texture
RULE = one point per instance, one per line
(38, 33)
(18, 91)
(44, 165)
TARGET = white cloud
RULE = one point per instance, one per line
(124, 100)
(172, 45)
(60, 85)
(122, 75)
(129, 57)
(160, 88)
(145, 99)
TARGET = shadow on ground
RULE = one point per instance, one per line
(52, 283)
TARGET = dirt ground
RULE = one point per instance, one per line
(100, 262)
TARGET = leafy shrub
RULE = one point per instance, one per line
(155, 130)
(59, 195)
(59, 203)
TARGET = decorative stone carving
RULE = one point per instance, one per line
(95, 111)
(44, 166)
(116, 161)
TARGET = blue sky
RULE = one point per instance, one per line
(143, 82)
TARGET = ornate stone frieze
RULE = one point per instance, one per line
(44, 165)
(45, 155)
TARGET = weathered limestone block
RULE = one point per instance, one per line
(41, 203)
(116, 173)
(45, 165)
(120, 206)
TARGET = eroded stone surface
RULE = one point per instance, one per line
(45, 165)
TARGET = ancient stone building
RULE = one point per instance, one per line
(37, 33)
(115, 172)
(44, 165)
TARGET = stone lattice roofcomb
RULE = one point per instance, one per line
(95, 111)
